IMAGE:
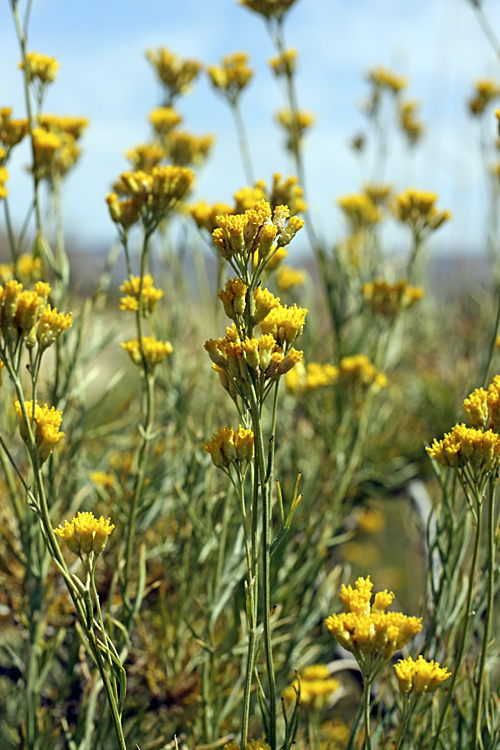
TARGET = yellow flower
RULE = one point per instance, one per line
(185, 148)
(124, 212)
(387, 299)
(150, 295)
(251, 745)
(156, 192)
(284, 64)
(47, 423)
(29, 268)
(176, 74)
(205, 214)
(417, 209)
(386, 79)
(468, 446)
(247, 197)
(476, 409)
(4, 176)
(419, 676)
(316, 687)
(105, 480)
(359, 210)
(40, 67)
(264, 302)
(357, 370)
(21, 310)
(154, 351)
(85, 534)
(289, 277)
(284, 323)
(233, 297)
(368, 630)
(486, 91)
(232, 76)
(295, 124)
(51, 325)
(288, 193)
(164, 119)
(146, 156)
(409, 122)
(12, 131)
(73, 126)
(45, 146)
(227, 446)
(378, 194)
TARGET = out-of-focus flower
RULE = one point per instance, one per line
(486, 91)
(232, 76)
(154, 351)
(417, 209)
(317, 687)
(4, 176)
(205, 214)
(411, 125)
(269, 8)
(164, 119)
(288, 278)
(12, 131)
(40, 67)
(359, 210)
(185, 148)
(175, 73)
(383, 78)
(284, 64)
(131, 288)
(146, 156)
(295, 124)
(388, 299)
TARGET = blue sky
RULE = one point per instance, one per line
(105, 76)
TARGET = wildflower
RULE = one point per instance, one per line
(314, 375)
(296, 124)
(466, 446)
(493, 399)
(164, 119)
(264, 302)
(185, 149)
(358, 370)
(382, 78)
(276, 258)
(51, 325)
(232, 76)
(359, 210)
(40, 67)
(234, 297)
(476, 408)
(269, 8)
(175, 74)
(387, 299)
(47, 423)
(154, 351)
(227, 446)
(157, 192)
(417, 209)
(316, 687)
(150, 295)
(367, 630)
(289, 277)
(85, 534)
(378, 194)
(419, 676)
(12, 131)
(4, 176)
(284, 64)
(45, 145)
(124, 212)
(205, 214)
(103, 479)
(20, 310)
(486, 91)
(284, 323)
(287, 193)
(146, 156)
(73, 126)
(411, 126)
(247, 197)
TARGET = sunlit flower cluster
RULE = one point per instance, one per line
(466, 446)
(12, 131)
(486, 91)
(185, 149)
(131, 288)
(366, 629)
(205, 214)
(40, 67)
(289, 277)
(295, 125)
(419, 676)
(357, 370)
(164, 119)
(24, 315)
(284, 64)
(145, 156)
(85, 534)
(175, 73)
(155, 193)
(383, 78)
(379, 194)
(228, 446)
(310, 377)
(417, 209)
(29, 269)
(411, 125)
(359, 210)
(152, 350)
(388, 299)
(232, 76)
(316, 687)
(46, 427)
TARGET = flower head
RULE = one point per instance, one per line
(388, 299)
(175, 74)
(154, 351)
(232, 76)
(383, 78)
(316, 687)
(11, 131)
(419, 676)
(284, 323)
(40, 67)
(227, 446)
(164, 119)
(359, 210)
(486, 90)
(46, 432)
(417, 209)
(283, 65)
(85, 534)
(51, 325)
(131, 288)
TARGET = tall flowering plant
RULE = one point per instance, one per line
(256, 350)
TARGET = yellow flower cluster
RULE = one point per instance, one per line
(417, 209)
(40, 67)
(486, 91)
(73, 126)
(269, 8)
(284, 64)
(368, 630)
(255, 231)
(419, 676)
(45, 147)
(388, 299)
(234, 297)
(379, 194)
(382, 78)
(314, 375)
(247, 197)
(176, 74)
(12, 131)
(289, 277)
(85, 534)
(124, 212)
(467, 446)
(56, 157)
(4, 176)
(28, 269)
(409, 122)
(205, 214)
(295, 124)
(164, 119)
(359, 210)
(232, 76)
(316, 687)
(145, 156)
(103, 479)
(284, 323)
(154, 351)
(47, 423)
(150, 295)
(156, 192)
(357, 370)
(25, 315)
(185, 149)
(227, 446)
(283, 193)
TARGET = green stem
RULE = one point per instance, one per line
(366, 712)
(489, 615)
(463, 636)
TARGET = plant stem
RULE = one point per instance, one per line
(366, 712)
(243, 142)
